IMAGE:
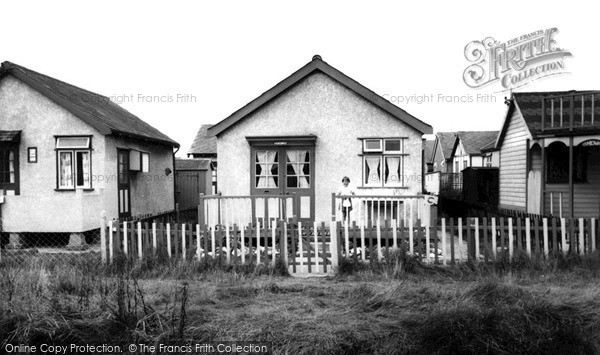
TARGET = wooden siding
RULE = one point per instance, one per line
(557, 193)
(587, 196)
(513, 164)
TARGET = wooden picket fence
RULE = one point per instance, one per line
(317, 248)
(538, 236)
(306, 248)
(484, 238)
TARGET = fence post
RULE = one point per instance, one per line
(528, 235)
(111, 240)
(316, 235)
(283, 249)
(198, 248)
(103, 235)
(154, 243)
(545, 232)
(593, 235)
(510, 237)
(125, 240)
(563, 232)
(201, 221)
(139, 240)
(444, 256)
(581, 237)
(183, 244)
(333, 243)
(169, 239)
(477, 248)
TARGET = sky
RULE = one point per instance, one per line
(180, 64)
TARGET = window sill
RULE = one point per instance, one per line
(383, 187)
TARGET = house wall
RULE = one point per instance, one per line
(39, 208)
(513, 163)
(337, 116)
(151, 192)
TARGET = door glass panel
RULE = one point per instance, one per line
(298, 168)
(267, 169)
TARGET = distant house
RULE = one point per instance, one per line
(67, 154)
(550, 153)
(441, 155)
(310, 130)
(192, 178)
(474, 149)
(205, 147)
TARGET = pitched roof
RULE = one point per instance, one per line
(318, 65)
(475, 141)
(446, 142)
(96, 110)
(192, 164)
(204, 143)
(428, 147)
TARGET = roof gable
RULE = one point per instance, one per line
(204, 143)
(445, 142)
(96, 110)
(318, 65)
(474, 142)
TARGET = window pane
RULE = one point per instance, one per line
(290, 169)
(73, 142)
(292, 181)
(392, 171)
(372, 144)
(393, 145)
(373, 171)
(306, 169)
(83, 169)
(65, 169)
(145, 162)
(304, 182)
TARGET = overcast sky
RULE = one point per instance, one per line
(224, 54)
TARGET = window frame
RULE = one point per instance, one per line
(382, 154)
(74, 166)
(35, 152)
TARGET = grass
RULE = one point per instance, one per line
(398, 306)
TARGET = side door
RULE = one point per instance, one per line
(123, 183)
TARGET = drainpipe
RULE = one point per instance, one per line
(174, 179)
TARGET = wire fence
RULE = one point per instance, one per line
(18, 247)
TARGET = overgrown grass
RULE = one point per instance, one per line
(400, 305)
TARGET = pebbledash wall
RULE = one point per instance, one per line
(321, 106)
(40, 207)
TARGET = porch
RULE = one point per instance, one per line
(563, 158)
